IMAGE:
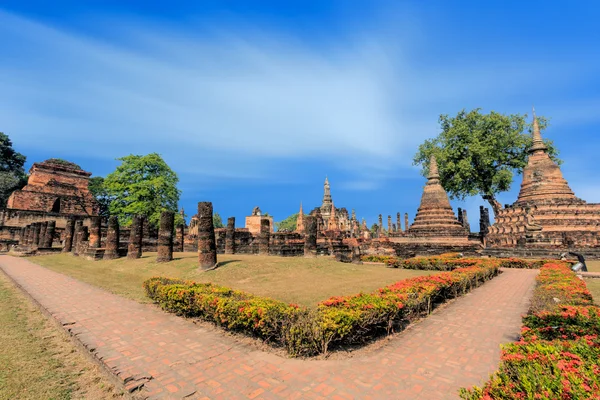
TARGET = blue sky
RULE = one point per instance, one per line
(254, 103)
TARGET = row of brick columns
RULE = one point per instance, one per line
(38, 234)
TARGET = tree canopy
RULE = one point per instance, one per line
(479, 154)
(96, 186)
(288, 224)
(142, 185)
(217, 221)
(12, 174)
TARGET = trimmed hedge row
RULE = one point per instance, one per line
(559, 352)
(444, 263)
(338, 321)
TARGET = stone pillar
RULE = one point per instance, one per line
(181, 236)
(460, 216)
(134, 249)
(22, 237)
(165, 236)
(465, 221)
(31, 234)
(230, 236)
(112, 239)
(207, 245)
(484, 221)
(264, 236)
(76, 236)
(406, 224)
(95, 233)
(43, 227)
(37, 227)
(49, 237)
(26, 237)
(398, 226)
(310, 236)
(69, 231)
(380, 225)
(389, 224)
(82, 241)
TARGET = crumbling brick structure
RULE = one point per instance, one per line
(547, 216)
(207, 247)
(165, 236)
(230, 236)
(49, 237)
(37, 226)
(263, 237)
(112, 239)
(310, 233)
(95, 232)
(55, 186)
(134, 248)
(69, 232)
(76, 236)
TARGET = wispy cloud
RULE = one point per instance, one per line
(228, 104)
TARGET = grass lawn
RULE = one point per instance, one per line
(593, 266)
(593, 284)
(291, 279)
(37, 358)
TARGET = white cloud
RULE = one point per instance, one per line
(228, 104)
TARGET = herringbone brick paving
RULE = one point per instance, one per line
(169, 357)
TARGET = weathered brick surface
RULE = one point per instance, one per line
(310, 236)
(49, 236)
(134, 248)
(95, 232)
(165, 237)
(170, 357)
(53, 187)
(112, 239)
(546, 215)
(207, 246)
(69, 232)
(230, 236)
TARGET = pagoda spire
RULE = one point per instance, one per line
(300, 220)
(433, 169)
(326, 206)
(538, 143)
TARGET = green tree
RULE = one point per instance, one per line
(12, 174)
(143, 185)
(217, 221)
(288, 224)
(98, 190)
(374, 229)
(479, 154)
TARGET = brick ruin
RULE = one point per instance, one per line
(547, 216)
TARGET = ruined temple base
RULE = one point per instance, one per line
(550, 253)
(413, 247)
(94, 254)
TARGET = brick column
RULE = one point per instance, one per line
(134, 249)
(398, 226)
(264, 236)
(95, 233)
(49, 237)
(165, 236)
(112, 239)
(406, 224)
(310, 236)
(181, 236)
(76, 236)
(207, 246)
(43, 227)
(82, 241)
(22, 236)
(37, 226)
(69, 231)
(389, 224)
(230, 236)
(380, 230)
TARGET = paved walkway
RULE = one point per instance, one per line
(170, 357)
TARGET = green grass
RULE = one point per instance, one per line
(593, 266)
(37, 359)
(291, 279)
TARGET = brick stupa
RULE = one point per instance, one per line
(547, 214)
(435, 217)
(55, 186)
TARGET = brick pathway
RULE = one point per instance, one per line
(458, 345)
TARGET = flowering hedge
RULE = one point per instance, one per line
(338, 321)
(450, 261)
(557, 356)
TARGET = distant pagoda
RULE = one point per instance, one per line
(435, 217)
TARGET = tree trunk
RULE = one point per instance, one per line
(496, 206)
